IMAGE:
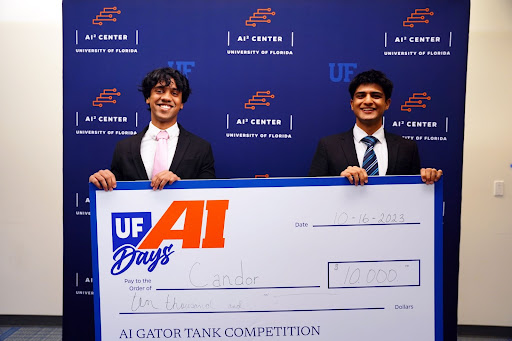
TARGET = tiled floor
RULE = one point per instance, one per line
(35, 333)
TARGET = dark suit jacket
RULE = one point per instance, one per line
(336, 152)
(193, 158)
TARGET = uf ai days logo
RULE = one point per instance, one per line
(136, 242)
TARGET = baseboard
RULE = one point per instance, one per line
(34, 320)
(495, 331)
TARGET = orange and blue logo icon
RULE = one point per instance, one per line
(260, 16)
(107, 14)
(261, 98)
(418, 17)
(415, 101)
(106, 97)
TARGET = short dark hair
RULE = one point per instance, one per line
(371, 77)
(165, 75)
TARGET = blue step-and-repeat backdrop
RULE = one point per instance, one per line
(269, 79)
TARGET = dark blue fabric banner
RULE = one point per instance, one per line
(269, 79)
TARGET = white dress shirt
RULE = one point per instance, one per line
(380, 148)
(149, 143)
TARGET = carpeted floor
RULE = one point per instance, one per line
(30, 333)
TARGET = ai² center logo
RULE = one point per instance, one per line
(259, 122)
(136, 242)
(106, 96)
(406, 40)
(415, 122)
(261, 98)
(106, 15)
(98, 122)
(99, 38)
(419, 16)
(260, 16)
(415, 101)
(255, 39)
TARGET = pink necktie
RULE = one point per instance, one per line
(160, 162)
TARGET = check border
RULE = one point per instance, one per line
(285, 182)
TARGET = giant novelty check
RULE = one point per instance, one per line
(258, 259)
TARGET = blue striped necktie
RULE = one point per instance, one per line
(370, 163)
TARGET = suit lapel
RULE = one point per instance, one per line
(136, 158)
(392, 143)
(348, 148)
(181, 148)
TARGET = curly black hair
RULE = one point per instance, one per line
(165, 75)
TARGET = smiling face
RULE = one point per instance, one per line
(369, 104)
(165, 102)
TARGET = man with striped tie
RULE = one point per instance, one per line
(367, 149)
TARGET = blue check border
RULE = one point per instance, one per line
(285, 182)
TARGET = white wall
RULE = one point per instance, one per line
(31, 191)
(485, 280)
(31, 154)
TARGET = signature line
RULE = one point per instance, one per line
(301, 287)
(365, 224)
(249, 311)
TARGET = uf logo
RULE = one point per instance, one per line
(182, 66)
(129, 228)
(339, 71)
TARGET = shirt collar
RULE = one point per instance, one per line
(173, 131)
(359, 134)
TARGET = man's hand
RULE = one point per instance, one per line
(103, 179)
(355, 175)
(430, 175)
(163, 178)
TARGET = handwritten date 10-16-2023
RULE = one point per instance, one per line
(344, 218)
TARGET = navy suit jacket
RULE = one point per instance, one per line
(336, 152)
(193, 158)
